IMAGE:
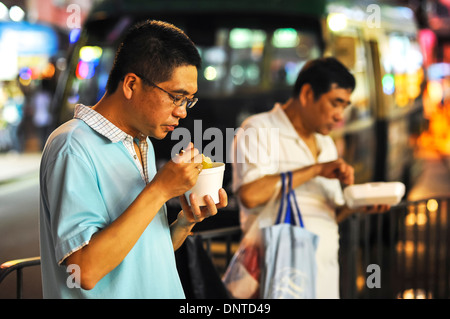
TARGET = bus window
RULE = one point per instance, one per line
(214, 61)
(291, 49)
(402, 63)
(247, 47)
(234, 62)
(350, 50)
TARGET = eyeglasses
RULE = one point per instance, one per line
(178, 100)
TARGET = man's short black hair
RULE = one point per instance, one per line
(321, 74)
(153, 49)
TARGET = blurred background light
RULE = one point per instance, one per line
(435, 92)
(388, 83)
(84, 70)
(3, 11)
(74, 35)
(241, 38)
(337, 21)
(432, 205)
(210, 73)
(90, 53)
(89, 59)
(285, 38)
(16, 13)
(10, 114)
(25, 73)
(49, 71)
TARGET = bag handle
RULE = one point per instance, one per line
(293, 198)
(288, 212)
(282, 200)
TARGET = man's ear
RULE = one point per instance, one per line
(129, 85)
(306, 94)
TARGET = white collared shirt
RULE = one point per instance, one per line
(318, 197)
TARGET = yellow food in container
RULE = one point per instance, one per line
(206, 162)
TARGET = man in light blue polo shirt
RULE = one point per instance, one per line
(103, 224)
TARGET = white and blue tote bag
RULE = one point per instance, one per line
(289, 267)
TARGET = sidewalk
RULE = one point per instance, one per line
(434, 181)
(13, 165)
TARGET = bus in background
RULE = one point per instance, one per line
(252, 53)
(379, 44)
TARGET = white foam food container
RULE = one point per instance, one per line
(376, 193)
(209, 182)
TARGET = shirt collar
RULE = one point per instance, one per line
(284, 121)
(99, 123)
(290, 131)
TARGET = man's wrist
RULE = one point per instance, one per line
(317, 169)
(185, 224)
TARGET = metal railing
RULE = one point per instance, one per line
(211, 238)
(409, 247)
(223, 237)
(18, 265)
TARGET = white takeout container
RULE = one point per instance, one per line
(377, 193)
(209, 182)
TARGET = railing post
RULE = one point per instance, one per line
(19, 283)
(447, 251)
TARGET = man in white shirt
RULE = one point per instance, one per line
(321, 93)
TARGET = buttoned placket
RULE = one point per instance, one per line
(143, 146)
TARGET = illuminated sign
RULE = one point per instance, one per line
(29, 39)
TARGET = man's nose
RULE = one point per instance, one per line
(339, 116)
(180, 111)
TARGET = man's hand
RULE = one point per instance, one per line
(376, 209)
(190, 215)
(343, 212)
(180, 174)
(194, 214)
(338, 169)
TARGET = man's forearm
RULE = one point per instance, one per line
(179, 233)
(108, 247)
(260, 191)
(342, 213)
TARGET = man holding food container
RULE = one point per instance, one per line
(320, 95)
(102, 201)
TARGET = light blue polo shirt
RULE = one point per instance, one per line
(87, 181)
